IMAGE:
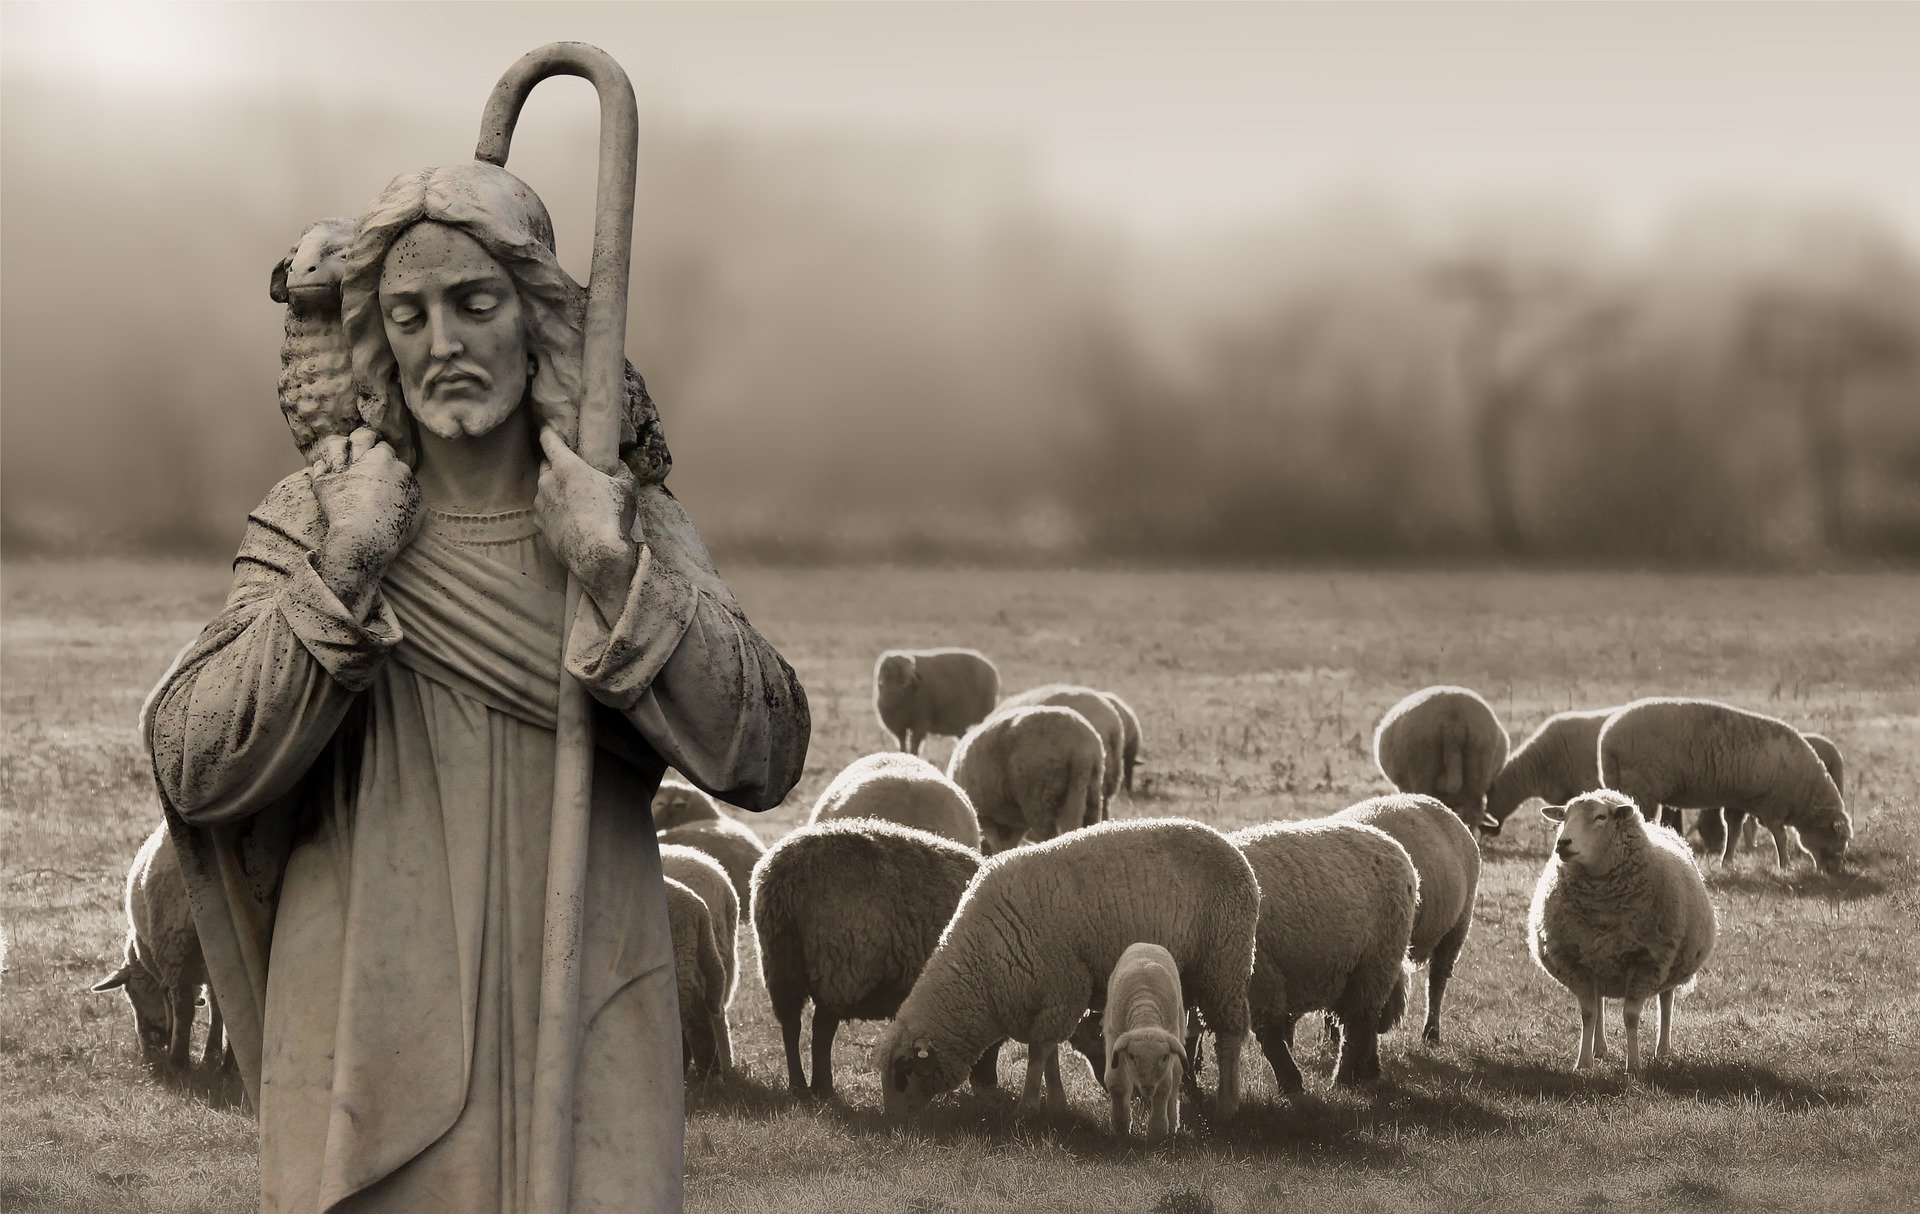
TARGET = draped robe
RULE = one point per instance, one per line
(362, 807)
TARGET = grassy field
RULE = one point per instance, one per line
(1796, 1081)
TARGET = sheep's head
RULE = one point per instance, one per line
(152, 1011)
(895, 673)
(308, 277)
(1828, 842)
(678, 803)
(1147, 1063)
(912, 1072)
(1594, 829)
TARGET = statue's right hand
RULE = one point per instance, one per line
(370, 501)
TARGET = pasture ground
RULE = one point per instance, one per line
(1796, 1081)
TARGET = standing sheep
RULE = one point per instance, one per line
(702, 976)
(1558, 761)
(901, 788)
(1620, 913)
(703, 875)
(732, 843)
(1142, 1025)
(1097, 707)
(1041, 928)
(677, 803)
(164, 970)
(1447, 859)
(1030, 773)
(1443, 742)
(921, 692)
(1672, 752)
(1735, 823)
(847, 913)
(1337, 908)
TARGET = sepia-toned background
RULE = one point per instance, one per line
(1590, 284)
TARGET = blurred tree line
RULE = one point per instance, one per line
(870, 349)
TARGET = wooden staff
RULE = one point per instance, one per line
(603, 401)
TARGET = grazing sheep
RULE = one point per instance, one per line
(901, 788)
(1443, 742)
(732, 843)
(316, 360)
(164, 970)
(846, 913)
(1041, 928)
(1558, 761)
(1447, 859)
(1030, 773)
(1129, 742)
(702, 874)
(1142, 1023)
(702, 975)
(1336, 911)
(1736, 823)
(678, 803)
(1620, 913)
(921, 692)
(1097, 707)
(1670, 752)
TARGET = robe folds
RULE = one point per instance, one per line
(362, 808)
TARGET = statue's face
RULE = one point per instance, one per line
(453, 318)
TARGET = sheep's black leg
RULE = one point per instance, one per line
(985, 1075)
(1359, 1050)
(825, 1025)
(1439, 972)
(1276, 1038)
(790, 1037)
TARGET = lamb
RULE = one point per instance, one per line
(1443, 742)
(702, 976)
(901, 788)
(677, 803)
(1620, 913)
(732, 843)
(164, 970)
(1337, 909)
(1660, 752)
(1735, 823)
(316, 361)
(702, 874)
(1447, 859)
(921, 692)
(1040, 929)
(1558, 761)
(1142, 1023)
(846, 913)
(1097, 707)
(1030, 772)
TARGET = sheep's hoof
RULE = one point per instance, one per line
(1432, 1035)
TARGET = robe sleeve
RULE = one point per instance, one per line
(250, 705)
(705, 689)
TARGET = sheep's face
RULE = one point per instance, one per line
(309, 276)
(912, 1077)
(454, 320)
(152, 1011)
(1591, 829)
(1828, 843)
(677, 804)
(1146, 1063)
(895, 674)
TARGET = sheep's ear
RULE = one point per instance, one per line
(1554, 813)
(277, 285)
(1623, 813)
(1489, 823)
(1113, 1062)
(117, 978)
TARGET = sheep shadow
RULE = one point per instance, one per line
(1707, 1082)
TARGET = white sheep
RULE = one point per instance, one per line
(1142, 1024)
(1030, 773)
(1447, 859)
(901, 788)
(921, 692)
(1098, 709)
(701, 975)
(677, 803)
(1620, 913)
(731, 842)
(1443, 742)
(1558, 761)
(702, 874)
(1337, 908)
(1674, 752)
(1736, 823)
(316, 361)
(846, 913)
(1041, 928)
(164, 970)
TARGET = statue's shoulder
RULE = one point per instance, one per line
(289, 512)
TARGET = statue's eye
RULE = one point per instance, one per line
(482, 303)
(405, 316)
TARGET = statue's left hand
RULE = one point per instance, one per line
(588, 518)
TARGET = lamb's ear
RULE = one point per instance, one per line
(277, 285)
(1113, 1061)
(1554, 813)
(117, 978)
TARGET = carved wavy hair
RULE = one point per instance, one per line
(507, 219)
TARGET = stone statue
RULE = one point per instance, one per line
(357, 755)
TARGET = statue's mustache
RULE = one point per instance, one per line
(455, 371)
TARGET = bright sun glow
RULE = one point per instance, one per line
(144, 45)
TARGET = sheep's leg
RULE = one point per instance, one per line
(1630, 1012)
(1439, 973)
(1666, 1023)
(1036, 1067)
(723, 1044)
(825, 1025)
(1227, 1049)
(1712, 825)
(911, 741)
(1589, 1028)
(1120, 1110)
(995, 838)
(1359, 1051)
(1749, 833)
(1056, 1088)
(1782, 849)
(180, 1027)
(985, 1075)
(210, 1055)
(1733, 822)
(788, 1011)
(1196, 1056)
(1276, 1042)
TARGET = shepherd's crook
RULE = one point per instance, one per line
(557, 1051)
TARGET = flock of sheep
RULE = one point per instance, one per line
(998, 900)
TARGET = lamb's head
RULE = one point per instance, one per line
(913, 1070)
(1828, 842)
(308, 277)
(1147, 1063)
(896, 673)
(678, 803)
(1597, 830)
(152, 1011)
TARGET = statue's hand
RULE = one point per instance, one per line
(371, 505)
(588, 518)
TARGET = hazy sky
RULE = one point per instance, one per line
(1165, 120)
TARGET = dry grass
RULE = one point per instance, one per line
(1797, 1078)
